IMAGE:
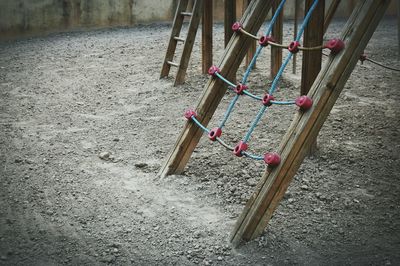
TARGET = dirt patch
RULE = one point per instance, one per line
(86, 124)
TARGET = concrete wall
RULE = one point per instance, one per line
(33, 17)
(30, 17)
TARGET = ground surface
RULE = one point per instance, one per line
(85, 125)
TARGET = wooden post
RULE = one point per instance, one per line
(330, 13)
(277, 33)
(229, 18)
(398, 28)
(296, 19)
(313, 36)
(215, 89)
(253, 45)
(306, 125)
(207, 38)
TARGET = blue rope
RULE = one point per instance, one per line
(280, 72)
(229, 111)
(252, 95)
(200, 125)
(283, 102)
(225, 80)
(252, 156)
(259, 48)
(249, 68)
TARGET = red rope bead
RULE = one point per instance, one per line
(267, 99)
(212, 70)
(335, 45)
(272, 159)
(304, 102)
(215, 133)
(264, 40)
(294, 47)
(236, 26)
(239, 148)
(240, 88)
(189, 113)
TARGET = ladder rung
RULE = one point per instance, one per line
(186, 14)
(172, 63)
(179, 39)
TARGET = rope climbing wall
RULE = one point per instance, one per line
(303, 102)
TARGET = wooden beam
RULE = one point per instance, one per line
(398, 28)
(253, 44)
(277, 33)
(190, 38)
(311, 65)
(207, 38)
(229, 18)
(306, 125)
(330, 13)
(296, 19)
(215, 89)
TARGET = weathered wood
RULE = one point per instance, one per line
(215, 89)
(311, 65)
(305, 126)
(207, 38)
(190, 38)
(330, 13)
(176, 29)
(296, 19)
(253, 44)
(277, 33)
(229, 19)
(398, 29)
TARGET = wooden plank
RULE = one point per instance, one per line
(311, 65)
(176, 29)
(305, 126)
(277, 33)
(215, 89)
(207, 38)
(253, 45)
(296, 19)
(330, 13)
(398, 29)
(229, 19)
(189, 42)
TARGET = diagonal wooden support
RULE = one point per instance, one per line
(215, 89)
(305, 126)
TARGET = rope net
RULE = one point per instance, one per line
(268, 100)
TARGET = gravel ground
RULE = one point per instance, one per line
(85, 124)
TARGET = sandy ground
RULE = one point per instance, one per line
(85, 125)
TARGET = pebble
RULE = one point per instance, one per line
(105, 155)
(304, 187)
(141, 165)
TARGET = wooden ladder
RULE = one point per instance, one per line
(175, 38)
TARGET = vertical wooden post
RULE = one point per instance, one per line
(253, 45)
(229, 18)
(207, 36)
(330, 13)
(306, 125)
(277, 33)
(215, 89)
(296, 19)
(398, 28)
(313, 36)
